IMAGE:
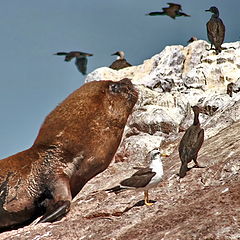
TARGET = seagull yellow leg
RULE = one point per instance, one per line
(146, 199)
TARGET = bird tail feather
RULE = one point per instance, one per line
(183, 170)
(116, 189)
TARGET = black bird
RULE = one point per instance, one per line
(144, 178)
(191, 143)
(172, 11)
(233, 88)
(81, 59)
(215, 30)
(192, 39)
(230, 89)
(121, 62)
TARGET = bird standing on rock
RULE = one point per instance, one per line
(81, 59)
(121, 62)
(192, 39)
(191, 143)
(144, 178)
(215, 30)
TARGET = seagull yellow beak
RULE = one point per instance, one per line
(164, 155)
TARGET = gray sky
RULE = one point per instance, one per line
(33, 81)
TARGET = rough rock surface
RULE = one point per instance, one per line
(203, 205)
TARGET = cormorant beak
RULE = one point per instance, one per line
(208, 10)
(116, 53)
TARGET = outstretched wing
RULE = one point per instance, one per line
(81, 64)
(156, 13)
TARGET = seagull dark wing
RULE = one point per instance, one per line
(139, 179)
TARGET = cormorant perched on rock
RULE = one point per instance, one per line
(172, 11)
(121, 62)
(191, 143)
(215, 30)
(81, 59)
(144, 178)
(192, 39)
(230, 89)
(233, 88)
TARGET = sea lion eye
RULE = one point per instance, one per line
(115, 87)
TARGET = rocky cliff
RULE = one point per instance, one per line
(205, 204)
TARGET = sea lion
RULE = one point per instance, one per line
(77, 140)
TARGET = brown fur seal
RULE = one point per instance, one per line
(77, 140)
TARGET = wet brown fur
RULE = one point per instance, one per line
(77, 140)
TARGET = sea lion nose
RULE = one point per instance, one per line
(115, 87)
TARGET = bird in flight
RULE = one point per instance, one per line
(80, 61)
(172, 11)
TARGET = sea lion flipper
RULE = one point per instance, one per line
(71, 148)
(60, 204)
(60, 209)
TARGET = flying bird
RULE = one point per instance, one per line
(215, 30)
(191, 143)
(81, 59)
(144, 178)
(121, 62)
(172, 11)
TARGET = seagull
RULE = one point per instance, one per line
(215, 30)
(121, 62)
(172, 11)
(191, 143)
(81, 59)
(144, 178)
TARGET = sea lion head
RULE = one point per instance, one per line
(120, 98)
(125, 90)
(91, 108)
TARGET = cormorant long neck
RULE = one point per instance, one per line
(215, 14)
(196, 120)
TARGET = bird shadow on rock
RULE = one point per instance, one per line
(190, 168)
(138, 204)
(107, 215)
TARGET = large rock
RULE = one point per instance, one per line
(204, 204)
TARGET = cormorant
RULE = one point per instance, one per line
(233, 88)
(81, 59)
(144, 178)
(121, 62)
(172, 11)
(191, 143)
(215, 30)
